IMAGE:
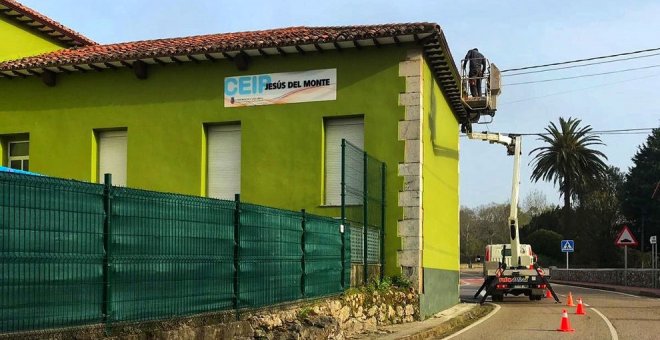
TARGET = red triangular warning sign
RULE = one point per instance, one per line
(625, 238)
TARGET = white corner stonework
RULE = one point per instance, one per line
(409, 228)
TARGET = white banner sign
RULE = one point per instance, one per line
(281, 88)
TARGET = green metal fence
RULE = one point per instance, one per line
(363, 205)
(74, 253)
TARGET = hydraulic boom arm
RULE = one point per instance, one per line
(512, 143)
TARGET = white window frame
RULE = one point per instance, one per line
(11, 158)
(333, 197)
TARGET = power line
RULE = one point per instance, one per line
(632, 131)
(583, 75)
(576, 90)
(581, 60)
(583, 65)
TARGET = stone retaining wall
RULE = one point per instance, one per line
(356, 311)
(614, 276)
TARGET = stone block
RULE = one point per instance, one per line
(411, 183)
(409, 99)
(410, 68)
(412, 151)
(411, 212)
(411, 243)
(410, 258)
(414, 84)
(413, 112)
(409, 129)
(409, 228)
(414, 54)
(409, 199)
(410, 169)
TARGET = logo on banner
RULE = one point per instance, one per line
(281, 88)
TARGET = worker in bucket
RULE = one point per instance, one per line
(477, 69)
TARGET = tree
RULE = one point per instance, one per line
(545, 243)
(535, 203)
(642, 181)
(469, 226)
(599, 216)
(568, 159)
(485, 224)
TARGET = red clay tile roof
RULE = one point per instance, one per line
(42, 24)
(428, 36)
(214, 43)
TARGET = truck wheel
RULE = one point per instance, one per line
(535, 297)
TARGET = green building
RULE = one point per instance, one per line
(257, 113)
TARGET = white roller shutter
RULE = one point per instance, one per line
(351, 129)
(112, 156)
(224, 161)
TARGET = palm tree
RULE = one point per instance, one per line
(568, 159)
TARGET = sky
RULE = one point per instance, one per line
(510, 33)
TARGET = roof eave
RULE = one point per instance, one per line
(434, 45)
(43, 25)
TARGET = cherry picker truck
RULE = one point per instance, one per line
(517, 273)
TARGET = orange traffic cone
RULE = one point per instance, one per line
(547, 294)
(580, 308)
(569, 301)
(565, 323)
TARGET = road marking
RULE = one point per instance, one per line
(497, 308)
(600, 290)
(615, 336)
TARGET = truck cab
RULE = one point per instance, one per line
(502, 253)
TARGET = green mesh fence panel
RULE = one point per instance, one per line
(167, 255)
(270, 256)
(353, 185)
(51, 252)
(323, 250)
(357, 244)
(362, 186)
(347, 256)
(170, 255)
(373, 245)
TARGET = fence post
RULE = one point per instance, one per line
(106, 309)
(237, 224)
(365, 227)
(302, 246)
(343, 213)
(383, 175)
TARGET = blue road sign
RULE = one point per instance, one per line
(567, 246)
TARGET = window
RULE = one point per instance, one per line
(336, 129)
(224, 161)
(19, 155)
(112, 146)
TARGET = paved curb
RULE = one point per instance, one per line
(428, 328)
(621, 289)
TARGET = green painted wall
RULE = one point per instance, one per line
(440, 291)
(17, 41)
(165, 115)
(439, 199)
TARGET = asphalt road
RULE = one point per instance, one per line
(610, 315)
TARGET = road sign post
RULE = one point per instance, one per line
(567, 246)
(624, 239)
(654, 259)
